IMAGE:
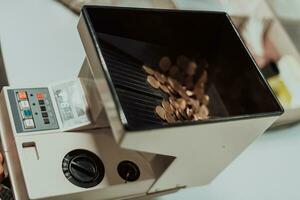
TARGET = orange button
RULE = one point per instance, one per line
(22, 95)
(40, 96)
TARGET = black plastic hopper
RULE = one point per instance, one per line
(127, 38)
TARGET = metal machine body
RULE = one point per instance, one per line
(72, 140)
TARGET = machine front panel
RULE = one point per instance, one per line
(32, 110)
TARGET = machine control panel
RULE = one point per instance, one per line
(32, 109)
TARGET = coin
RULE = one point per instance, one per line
(172, 99)
(183, 114)
(174, 84)
(167, 106)
(169, 118)
(171, 81)
(148, 70)
(182, 93)
(160, 111)
(160, 77)
(199, 92)
(190, 101)
(153, 82)
(190, 93)
(164, 89)
(204, 110)
(178, 115)
(191, 68)
(189, 112)
(165, 64)
(187, 99)
(182, 103)
(175, 105)
(198, 116)
(201, 81)
(195, 106)
(171, 90)
(205, 99)
(203, 77)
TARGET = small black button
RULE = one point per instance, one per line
(44, 114)
(128, 171)
(43, 108)
(41, 102)
(46, 121)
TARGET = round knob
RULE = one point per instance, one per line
(83, 168)
(128, 171)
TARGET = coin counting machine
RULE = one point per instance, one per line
(98, 137)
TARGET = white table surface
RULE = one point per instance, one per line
(40, 44)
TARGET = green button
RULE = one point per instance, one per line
(27, 113)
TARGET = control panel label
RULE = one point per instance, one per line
(32, 109)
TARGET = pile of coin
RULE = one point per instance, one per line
(187, 100)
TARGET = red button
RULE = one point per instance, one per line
(40, 96)
(22, 95)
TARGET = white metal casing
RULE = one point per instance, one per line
(36, 171)
(201, 151)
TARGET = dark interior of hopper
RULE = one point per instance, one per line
(128, 38)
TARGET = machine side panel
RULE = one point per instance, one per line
(201, 152)
(43, 163)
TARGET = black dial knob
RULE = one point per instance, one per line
(128, 171)
(83, 168)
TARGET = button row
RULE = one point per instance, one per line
(25, 110)
(40, 97)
